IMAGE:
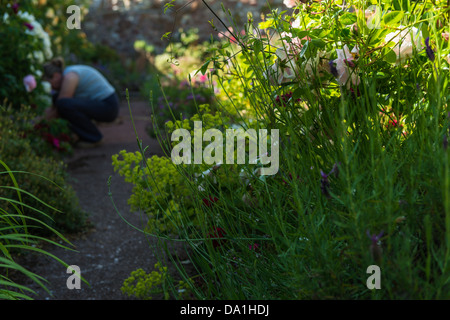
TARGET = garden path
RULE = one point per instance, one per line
(111, 250)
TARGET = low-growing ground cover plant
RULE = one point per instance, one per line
(359, 92)
(38, 151)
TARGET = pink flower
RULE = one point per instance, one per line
(445, 35)
(55, 142)
(29, 83)
(290, 3)
(203, 78)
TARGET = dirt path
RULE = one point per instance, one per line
(108, 253)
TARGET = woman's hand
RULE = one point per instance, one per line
(51, 113)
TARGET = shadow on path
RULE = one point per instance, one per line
(107, 254)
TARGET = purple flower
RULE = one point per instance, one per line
(375, 237)
(335, 169)
(430, 52)
(29, 26)
(324, 183)
(333, 69)
(15, 7)
(350, 63)
(375, 249)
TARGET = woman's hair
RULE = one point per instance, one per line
(54, 65)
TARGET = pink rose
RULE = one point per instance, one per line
(29, 83)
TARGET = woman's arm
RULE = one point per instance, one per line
(69, 85)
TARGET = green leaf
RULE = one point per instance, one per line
(378, 36)
(257, 46)
(318, 43)
(204, 67)
(381, 75)
(393, 17)
(168, 5)
(389, 55)
(166, 35)
(347, 18)
(300, 33)
(304, 48)
(298, 93)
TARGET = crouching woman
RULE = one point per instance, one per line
(82, 95)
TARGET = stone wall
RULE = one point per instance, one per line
(118, 23)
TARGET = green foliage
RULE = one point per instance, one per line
(17, 232)
(181, 57)
(178, 102)
(364, 175)
(53, 16)
(159, 190)
(145, 286)
(25, 151)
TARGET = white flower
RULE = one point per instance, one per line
(293, 45)
(6, 17)
(343, 66)
(39, 32)
(405, 42)
(296, 23)
(39, 56)
(284, 69)
(47, 87)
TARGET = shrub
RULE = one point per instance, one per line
(25, 47)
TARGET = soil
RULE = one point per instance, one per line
(109, 251)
